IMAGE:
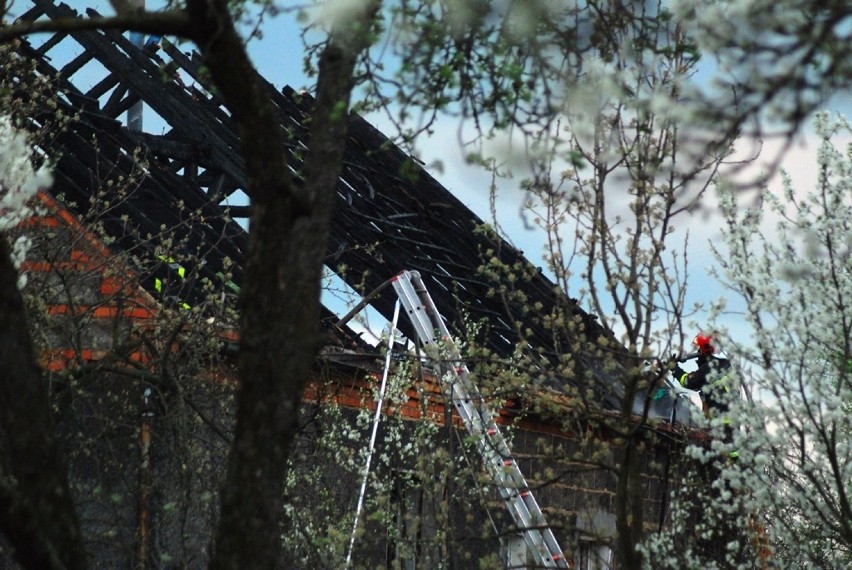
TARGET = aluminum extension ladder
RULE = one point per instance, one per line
(478, 419)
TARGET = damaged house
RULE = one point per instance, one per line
(133, 275)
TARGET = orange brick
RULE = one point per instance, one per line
(40, 222)
(54, 365)
(40, 266)
(138, 313)
(110, 312)
(72, 222)
(81, 256)
(60, 359)
(139, 357)
(230, 335)
(58, 310)
(105, 312)
(110, 286)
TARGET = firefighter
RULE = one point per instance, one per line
(712, 380)
(712, 377)
(174, 290)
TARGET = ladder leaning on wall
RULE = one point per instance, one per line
(478, 420)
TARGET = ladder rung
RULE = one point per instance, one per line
(478, 419)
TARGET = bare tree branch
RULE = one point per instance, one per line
(173, 23)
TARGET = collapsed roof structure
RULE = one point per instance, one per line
(391, 214)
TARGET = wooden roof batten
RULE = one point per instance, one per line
(385, 221)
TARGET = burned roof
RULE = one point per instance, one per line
(391, 213)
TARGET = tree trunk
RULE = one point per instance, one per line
(629, 503)
(279, 304)
(36, 510)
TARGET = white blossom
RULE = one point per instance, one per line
(795, 458)
(19, 182)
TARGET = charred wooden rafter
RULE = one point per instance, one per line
(386, 220)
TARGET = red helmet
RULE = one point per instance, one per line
(703, 343)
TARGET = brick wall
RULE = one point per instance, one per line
(105, 340)
(86, 300)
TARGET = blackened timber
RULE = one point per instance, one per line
(174, 148)
(102, 86)
(151, 205)
(392, 214)
(219, 185)
(76, 64)
(238, 211)
(49, 44)
(43, 67)
(387, 221)
(33, 14)
(169, 100)
(113, 105)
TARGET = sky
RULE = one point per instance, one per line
(470, 183)
(278, 57)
